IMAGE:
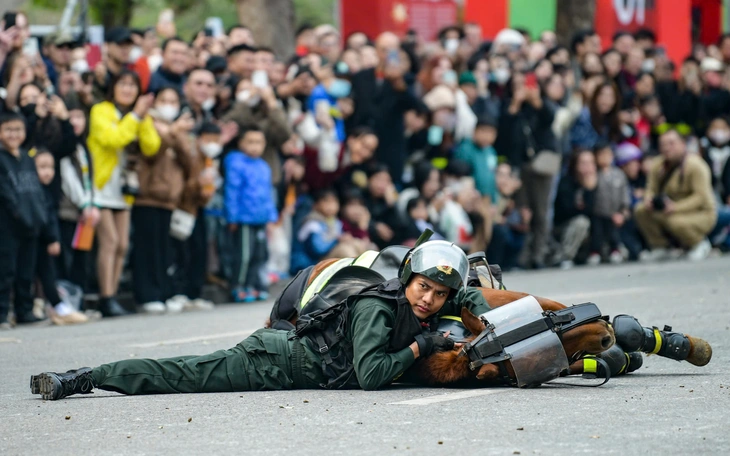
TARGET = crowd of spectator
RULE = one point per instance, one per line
(179, 161)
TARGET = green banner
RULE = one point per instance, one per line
(533, 15)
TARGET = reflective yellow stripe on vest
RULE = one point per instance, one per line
(366, 259)
(451, 317)
(321, 280)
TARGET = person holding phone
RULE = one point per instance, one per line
(381, 99)
(526, 139)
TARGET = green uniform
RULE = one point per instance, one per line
(273, 359)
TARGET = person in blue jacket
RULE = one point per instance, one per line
(250, 212)
(320, 232)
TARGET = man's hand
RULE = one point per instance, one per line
(54, 249)
(270, 228)
(618, 219)
(431, 343)
(58, 108)
(669, 206)
(384, 231)
(229, 130)
(184, 124)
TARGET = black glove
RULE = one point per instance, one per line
(433, 342)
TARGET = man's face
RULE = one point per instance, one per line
(119, 53)
(60, 55)
(386, 43)
(199, 87)
(426, 296)
(242, 63)
(672, 146)
(363, 148)
(264, 61)
(175, 57)
(12, 134)
(240, 36)
(329, 46)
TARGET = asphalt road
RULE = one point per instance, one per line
(665, 408)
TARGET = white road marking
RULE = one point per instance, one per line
(598, 294)
(5, 340)
(189, 340)
(452, 396)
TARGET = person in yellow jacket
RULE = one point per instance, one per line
(117, 127)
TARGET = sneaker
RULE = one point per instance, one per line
(63, 314)
(110, 307)
(53, 386)
(700, 251)
(154, 307)
(176, 304)
(251, 295)
(594, 259)
(38, 308)
(262, 295)
(5, 326)
(566, 264)
(659, 254)
(198, 304)
(616, 257)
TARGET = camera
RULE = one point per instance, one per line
(658, 202)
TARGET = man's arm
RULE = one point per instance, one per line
(701, 184)
(371, 327)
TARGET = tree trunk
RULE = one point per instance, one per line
(573, 15)
(112, 12)
(271, 22)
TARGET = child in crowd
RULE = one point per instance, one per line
(418, 213)
(649, 124)
(355, 216)
(250, 213)
(321, 235)
(77, 200)
(479, 152)
(60, 312)
(22, 214)
(628, 158)
(611, 207)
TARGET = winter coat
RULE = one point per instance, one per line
(23, 210)
(612, 193)
(248, 196)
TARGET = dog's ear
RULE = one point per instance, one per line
(471, 322)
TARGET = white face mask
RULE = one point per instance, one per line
(167, 112)
(245, 96)
(154, 61)
(451, 45)
(135, 53)
(80, 66)
(501, 75)
(208, 104)
(719, 137)
(211, 150)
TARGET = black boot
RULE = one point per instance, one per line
(110, 307)
(619, 362)
(634, 337)
(53, 386)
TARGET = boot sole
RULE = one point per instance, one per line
(44, 385)
(35, 384)
(700, 352)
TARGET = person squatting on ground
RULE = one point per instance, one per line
(679, 205)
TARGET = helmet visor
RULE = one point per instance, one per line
(442, 262)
